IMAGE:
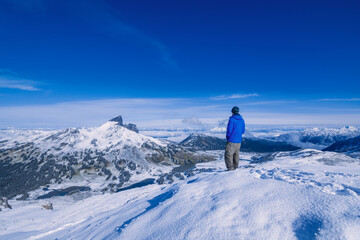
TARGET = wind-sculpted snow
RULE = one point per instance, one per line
(293, 195)
(330, 182)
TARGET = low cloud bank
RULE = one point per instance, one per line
(155, 113)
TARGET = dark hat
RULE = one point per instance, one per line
(235, 110)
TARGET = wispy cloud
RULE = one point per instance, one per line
(105, 19)
(20, 84)
(157, 44)
(161, 113)
(108, 21)
(303, 119)
(340, 99)
(235, 96)
(192, 121)
(145, 112)
(117, 26)
(12, 80)
(269, 102)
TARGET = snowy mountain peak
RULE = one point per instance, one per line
(318, 138)
(111, 133)
(349, 129)
(102, 158)
(119, 121)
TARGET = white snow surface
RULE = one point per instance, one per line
(305, 194)
(107, 135)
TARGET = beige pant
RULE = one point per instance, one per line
(232, 155)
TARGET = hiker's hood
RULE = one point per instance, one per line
(237, 117)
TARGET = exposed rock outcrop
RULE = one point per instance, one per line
(120, 122)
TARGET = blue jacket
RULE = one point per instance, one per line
(235, 129)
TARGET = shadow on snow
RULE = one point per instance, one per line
(154, 202)
(307, 227)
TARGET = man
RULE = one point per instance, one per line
(235, 130)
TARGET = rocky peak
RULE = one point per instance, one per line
(119, 121)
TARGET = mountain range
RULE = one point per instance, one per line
(114, 156)
(102, 159)
(317, 138)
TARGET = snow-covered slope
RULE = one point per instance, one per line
(11, 137)
(103, 158)
(305, 194)
(106, 135)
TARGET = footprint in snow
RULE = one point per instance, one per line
(294, 176)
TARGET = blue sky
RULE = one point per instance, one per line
(284, 62)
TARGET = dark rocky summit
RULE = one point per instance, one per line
(118, 119)
(120, 122)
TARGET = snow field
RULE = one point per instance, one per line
(293, 197)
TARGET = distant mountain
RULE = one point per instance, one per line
(318, 138)
(262, 145)
(103, 158)
(205, 142)
(346, 146)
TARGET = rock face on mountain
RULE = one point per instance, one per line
(120, 122)
(205, 142)
(346, 146)
(103, 158)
